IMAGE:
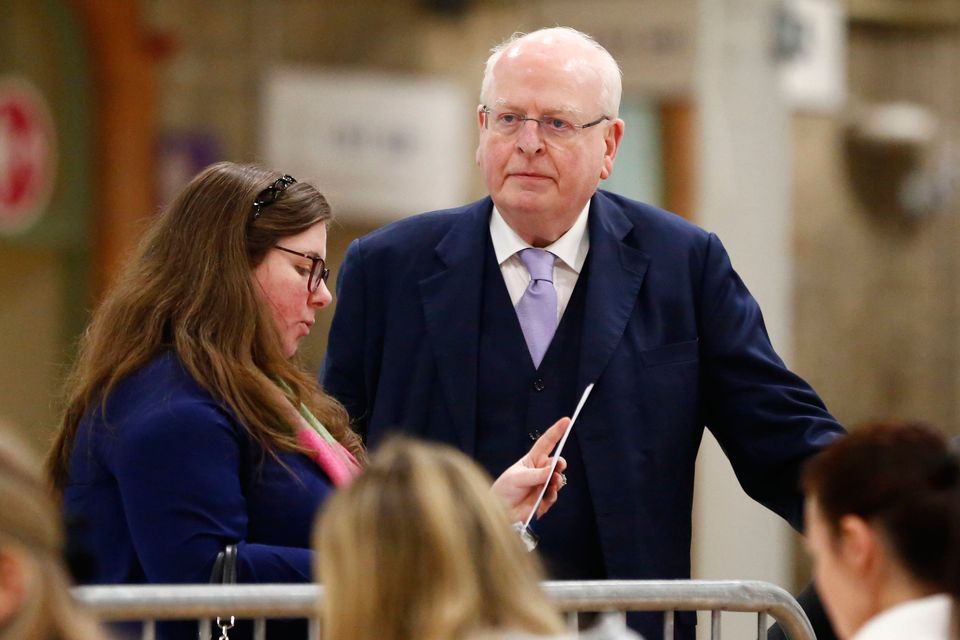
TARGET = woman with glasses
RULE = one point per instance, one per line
(883, 527)
(188, 426)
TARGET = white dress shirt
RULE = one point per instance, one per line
(922, 619)
(571, 250)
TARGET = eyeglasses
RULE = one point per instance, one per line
(318, 268)
(506, 123)
(269, 195)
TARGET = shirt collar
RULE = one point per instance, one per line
(571, 247)
(927, 617)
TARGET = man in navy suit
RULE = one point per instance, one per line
(432, 333)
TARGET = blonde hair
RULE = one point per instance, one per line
(419, 548)
(189, 288)
(30, 531)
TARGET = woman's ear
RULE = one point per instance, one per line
(13, 584)
(857, 545)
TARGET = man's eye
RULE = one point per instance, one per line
(508, 118)
(303, 271)
(558, 125)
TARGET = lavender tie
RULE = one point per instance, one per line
(537, 309)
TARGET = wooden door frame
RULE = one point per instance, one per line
(125, 104)
(678, 156)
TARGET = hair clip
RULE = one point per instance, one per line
(269, 195)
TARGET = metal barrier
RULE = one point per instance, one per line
(149, 603)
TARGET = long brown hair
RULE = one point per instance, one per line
(189, 288)
(419, 548)
(30, 531)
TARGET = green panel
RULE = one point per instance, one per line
(638, 171)
(42, 40)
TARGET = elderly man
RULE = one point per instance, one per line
(479, 325)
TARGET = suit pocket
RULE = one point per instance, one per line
(674, 353)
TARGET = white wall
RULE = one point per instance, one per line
(743, 196)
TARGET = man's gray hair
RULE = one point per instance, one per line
(608, 70)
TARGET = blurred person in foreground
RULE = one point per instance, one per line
(474, 325)
(35, 601)
(189, 424)
(883, 528)
(418, 549)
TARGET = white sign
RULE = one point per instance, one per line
(380, 147)
(815, 77)
(27, 154)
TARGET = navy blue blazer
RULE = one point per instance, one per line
(166, 477)
(671, 337)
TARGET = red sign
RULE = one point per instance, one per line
(27, 154)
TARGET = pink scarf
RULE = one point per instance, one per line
(333, 458)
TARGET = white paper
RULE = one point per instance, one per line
(556, 455)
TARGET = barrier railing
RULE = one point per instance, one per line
(149, 603)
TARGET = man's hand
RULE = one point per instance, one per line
(520, 484)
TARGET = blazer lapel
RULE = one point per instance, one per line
(616, 273)
(451, 308)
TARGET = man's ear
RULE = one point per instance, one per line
(858, 544)
(481, 116)
(611, 140)
(13, 584)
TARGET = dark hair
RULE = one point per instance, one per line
(903, 478)
(188, 287)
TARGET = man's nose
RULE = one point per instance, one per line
(530, 137)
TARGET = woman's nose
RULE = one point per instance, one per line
(322, 296)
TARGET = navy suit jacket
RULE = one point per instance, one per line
(671, 337)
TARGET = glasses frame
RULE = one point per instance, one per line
(540, 122)
(269, 195)
(315, 261)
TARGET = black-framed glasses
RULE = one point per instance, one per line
(318, 268)
(269, 195)
(507, 123)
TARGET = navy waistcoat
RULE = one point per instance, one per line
(516, 402)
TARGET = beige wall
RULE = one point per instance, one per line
(31, 327)
(877, 313)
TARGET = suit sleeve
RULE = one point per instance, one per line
(179, 475)
(767, 419)
(345, 373)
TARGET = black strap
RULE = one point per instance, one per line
(230, 564)
(225, 566)
(224, 572)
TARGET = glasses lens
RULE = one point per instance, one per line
(318, 274)
(557, 127)
(507, 123)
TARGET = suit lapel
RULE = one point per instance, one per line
(616, 273)
(451, 309)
